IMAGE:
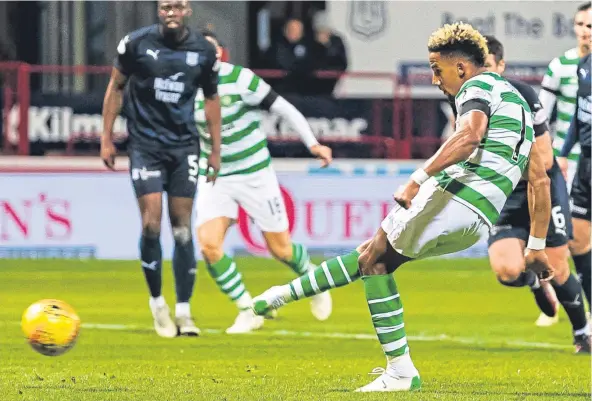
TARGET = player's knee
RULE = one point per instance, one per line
(182, 234)
(509, 272)
(151, 228)
(211, 251)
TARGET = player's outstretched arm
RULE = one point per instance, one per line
(539, 207)
(111, 109)
(457, 148)
(285, 109)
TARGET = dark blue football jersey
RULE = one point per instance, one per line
(163, 79)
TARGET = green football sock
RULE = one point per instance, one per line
(300, 259)
(332, 273)
(387, 313)
(229, 279)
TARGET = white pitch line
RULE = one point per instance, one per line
(353, 336)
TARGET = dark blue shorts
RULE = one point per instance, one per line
(514, 221)
(580, 190)
(173, 171)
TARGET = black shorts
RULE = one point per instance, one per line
(514, 221)
(580, 190)
(173, 171)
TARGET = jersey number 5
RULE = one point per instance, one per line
(193, 170)
(522, 133)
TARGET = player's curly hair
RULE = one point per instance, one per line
(459, 39)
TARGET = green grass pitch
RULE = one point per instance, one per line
(470, 338)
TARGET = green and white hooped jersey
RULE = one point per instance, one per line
(562, 79)
(244, 145)
(485, 180)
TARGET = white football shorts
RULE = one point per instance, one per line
(435, 224)
(257, 193)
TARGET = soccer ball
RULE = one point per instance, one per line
(51, 326)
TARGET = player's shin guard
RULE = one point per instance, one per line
(184, 264)
(229, 281)
(332, 273)
(583, 267)
(300, 259)
(387, 313)
(570, 296)
(151, 255)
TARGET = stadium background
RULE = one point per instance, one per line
(471, 339)
(382, 118)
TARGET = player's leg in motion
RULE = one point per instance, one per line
(377, 261)
(225, 273)
(184, 263)
(262, 199)
(565, 285)
(217, 210)
(333, 273)
(507, 261)
(149, 189)
(506, 256)
(424, 230)
(373, 261)
(580, 250)
(151, 259)
(569, 293)
(297, 258)
(581, 212)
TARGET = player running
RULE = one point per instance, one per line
(579, 131)
(508, 236)
(469, 178)
(248, 180)
(561, 83)
(160, 68)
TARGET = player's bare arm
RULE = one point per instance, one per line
(539, 206)
(457, 148)
(111, 108)
(214, 120)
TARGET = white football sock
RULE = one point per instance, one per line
(182, 309)
(401, 366)
(244, 301)
(157, 302)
